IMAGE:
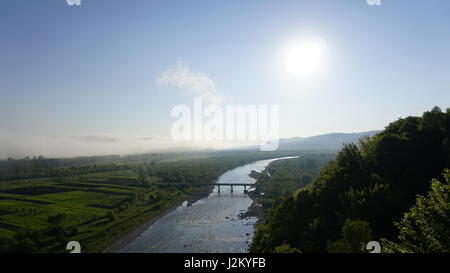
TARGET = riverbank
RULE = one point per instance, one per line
(256, 208)
(134, 233)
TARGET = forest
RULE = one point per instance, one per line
(40, 166)
(282, 177)
(392, 188)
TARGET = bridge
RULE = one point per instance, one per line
(245, 185)
(218, 185)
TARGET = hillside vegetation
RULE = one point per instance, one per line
(282, 177)
(364, 191)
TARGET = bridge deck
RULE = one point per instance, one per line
(232, 184)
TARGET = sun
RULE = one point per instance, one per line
(304, 58)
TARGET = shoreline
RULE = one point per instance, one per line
(135, 232)
(256, 209)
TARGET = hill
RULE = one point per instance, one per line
(364, 191)
(332, 141)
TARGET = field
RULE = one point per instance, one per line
(99, 207)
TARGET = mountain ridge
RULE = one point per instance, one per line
(330, 141)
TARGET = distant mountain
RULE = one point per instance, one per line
(333, 141)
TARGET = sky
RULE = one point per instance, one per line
(103, 77)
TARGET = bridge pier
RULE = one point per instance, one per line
(231, 188)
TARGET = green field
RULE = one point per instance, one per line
(99, 206)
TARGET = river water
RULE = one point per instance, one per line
(210, 225)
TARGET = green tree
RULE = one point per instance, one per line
(356, 234)
(425, 227)
(286, 248)
(142, 175)
(57, 219)
(111, 215)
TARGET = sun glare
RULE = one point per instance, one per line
(303, 59)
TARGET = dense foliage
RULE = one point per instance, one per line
(282, 177)
(13, 169)
(376, 182)
(355, 235)
(36, 167)
(425, 228)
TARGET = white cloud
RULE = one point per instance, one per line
(200, 84)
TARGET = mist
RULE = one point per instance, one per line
(16, 144)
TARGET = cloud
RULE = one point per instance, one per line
(180, 76)
(97, 138)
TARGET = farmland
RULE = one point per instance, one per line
(98, 207)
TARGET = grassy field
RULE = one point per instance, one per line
(100, 207)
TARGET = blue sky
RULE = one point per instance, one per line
(93, 69)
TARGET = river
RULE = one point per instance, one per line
(210, 225)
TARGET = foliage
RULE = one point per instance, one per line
(375, 181)
(57, 220)
(282, 177)
(285, 248)
(355, 235)
(425, 227)
(35, 168)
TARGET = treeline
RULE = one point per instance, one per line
(364, 191)
(27, 240)
(34, 169)
(282, 177)
(39, 167)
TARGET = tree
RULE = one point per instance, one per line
(142, 175)
(425, 227)
(111, 215)
(285, 248)
(356, 234)
(57, 219)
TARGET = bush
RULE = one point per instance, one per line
(285, 248)
(356, 234)
(425, 227)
